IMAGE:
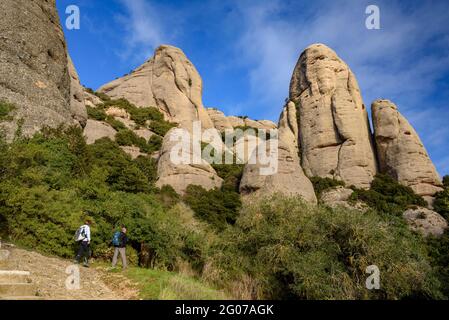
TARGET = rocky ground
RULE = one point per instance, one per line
(49, 275)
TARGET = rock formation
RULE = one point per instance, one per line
(90, 99)
(96, 130)
(267, 124)
(220, 121)
(425, 221)
(77, 103)
(335, 139)
(289, 178)
(400, 151)
(180, 176)
(236, 121)
(34, 67)
(168, 81)
(340, 197)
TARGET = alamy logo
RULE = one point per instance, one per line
(73, 21)
(373, 281)
(73, 282)
(372, 22)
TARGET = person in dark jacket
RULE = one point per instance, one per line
(120, 248)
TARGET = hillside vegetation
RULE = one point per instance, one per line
(274, 248)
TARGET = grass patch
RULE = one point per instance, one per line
(164, 285)
(5, 109)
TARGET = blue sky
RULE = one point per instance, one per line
(245, 51)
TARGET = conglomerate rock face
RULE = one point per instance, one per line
(400, 151)
(181, 175)
(77, 102)
(289, 179)
(34, 73)
(425, 221)
(168, 81)
(334, 135)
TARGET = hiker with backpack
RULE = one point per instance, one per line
(119, 241)
(82, 236)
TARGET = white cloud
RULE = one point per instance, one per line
(143, 27)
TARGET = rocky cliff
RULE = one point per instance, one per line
(289, 178)
(400, 151)
(34, 68)
(324, 129)
(334, 139)
(168, 81)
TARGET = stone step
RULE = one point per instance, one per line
(4, 254)
(17, 290)
(14, 276)
(22, 298)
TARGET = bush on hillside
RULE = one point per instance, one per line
(388, 196)
(441, 203)
(230, 173)
(218, 207)
(155, 143)
(446, 181)
(102, 96)
(322, 184)
(161, 127)
(96, 113)
(126, 137)
(149, 117)
(5, 109)
(439, 253)
(52, 181)
(292, 250)
(116, 124)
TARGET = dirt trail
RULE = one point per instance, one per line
(49, 274)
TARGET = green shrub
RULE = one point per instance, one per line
(116, 124)
(142, 115)
(322, 184)
(218, 207)
(441, 203)
(388, 196)
(102, 96)
(149, 117)
(155, 143)
(439, 253)
(230, 173)
(148, 166)
(5, 109)
(161, 127)
(127, 137)
(96, 113)
(50, 182)
(167, 195)
(446, 181)
(122, 174)
(292, 250)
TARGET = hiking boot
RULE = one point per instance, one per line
(85, 265)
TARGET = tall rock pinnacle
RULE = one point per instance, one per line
(400, 151)
(334, 133)
(34, 68)
(168, 81)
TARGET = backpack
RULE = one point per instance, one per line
(116, 239)
(80, 234)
